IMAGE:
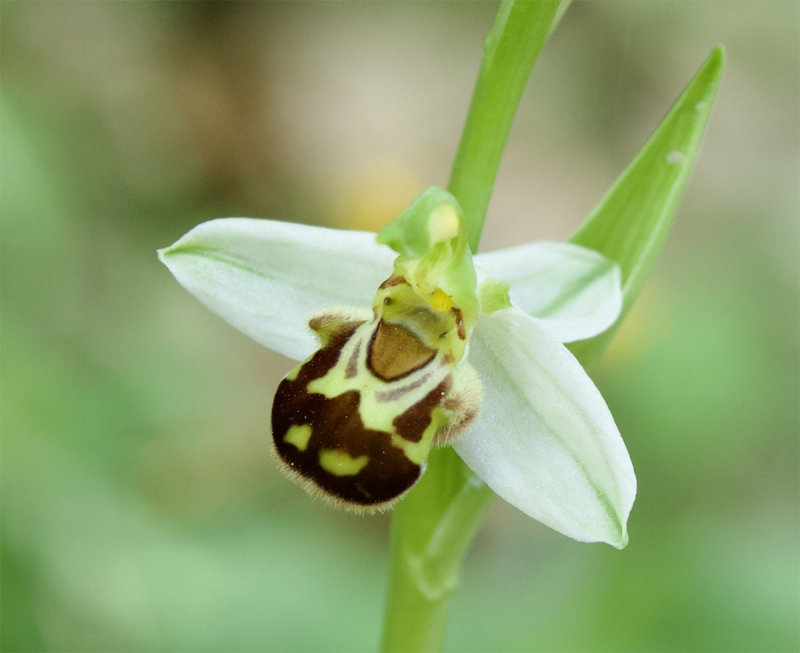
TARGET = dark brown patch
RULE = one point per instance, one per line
(393, 281)
(395, 352)
(331, 326)
(336, 424)
(460, 330)
(317, 322)
(411, 424)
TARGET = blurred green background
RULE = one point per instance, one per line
(140, 510)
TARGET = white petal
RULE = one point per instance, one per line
(267, 277)
(574, 291)
(544, 439)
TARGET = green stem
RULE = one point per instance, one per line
(430, 535)
(510, 50)
(434, 525)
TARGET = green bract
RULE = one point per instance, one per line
(543, 438)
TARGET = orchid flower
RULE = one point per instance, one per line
(518, 408)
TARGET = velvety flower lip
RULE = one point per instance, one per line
(544, 439)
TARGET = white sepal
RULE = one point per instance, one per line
(544, 439)
(267, 277)
(574, 291)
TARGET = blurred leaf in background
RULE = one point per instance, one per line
(140, 510)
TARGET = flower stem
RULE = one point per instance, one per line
(510, 50)
(430, 535)
(434, 525)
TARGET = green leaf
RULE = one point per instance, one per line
(631, 222)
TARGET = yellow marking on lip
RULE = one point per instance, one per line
(416, 452)
(341, 463)
(291, 376)
(298, 435)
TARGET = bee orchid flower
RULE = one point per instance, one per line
(416, 343)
